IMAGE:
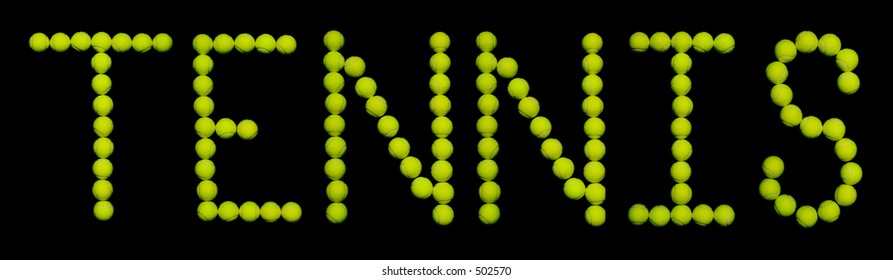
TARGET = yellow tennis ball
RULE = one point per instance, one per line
(333, 61)
(443, 192)
(659, 215)
(834, 129)
(291, 212)
(103, 105)
(103, 126)
(286, 44)
(489, 192)
(595, 193)
(81, 41)
(486, 83)
(680, 171)
(551, 149)
(202, 43)
(593, 64)
(442, 149)
(439, 84)
(488, 147)
(529, 107)
(489, 214)
(223, 43)
(829, 211)
(205, 127)
(785, 205)
(354, 66)
(851, 173)
(39, 42)
(724, 43)
(845, 195)
(270, 212)
(724, 215)
(594, 128)
(638, 214)
(102, 190)
(203, 106)
(773, 167)
(592, 43)
(335, 147)
(60, 42)
(486, 41)
(594, 171)
(443, 214)
(777, 72)
(574, 188)
(226, 128)
(440, 105)
(702, 42)
(682, 106)
(487, 170)
(487, 126)
(681, 63)
(333, 82)
(681, 128)
(333, 40)
(249, 211)
(207, 211)
(680, 84)
(807, 216)
(161, 43)
(244, 43)
(206, 190)
(439, 42)
(203, 64)
(398, 147)
(541, 127)
(563, 168)
(205, 169)
(335, 168)
(681, 215)
(439, 63)
(442, 127)
(595, 215)
(845, 149)
(791, 115)
(847, 60)
(205, 148)
(806, 41)
(441, 171)
(681, 41)
(487, 104)
(228, 211)
(122, 42)
(639, 42)
(202, 85)
(376, 106)
(101, 42)
(681, 150)
(103, 210)
(365, 87)
(486, 62)
(102, 168)
(782, 95)
(594, 149)
(518, 88)
(681, 193)
(829, 44)
(770, 189)
(702, 215)
(422, 188)
(507, 67)
(660, 41)
(785, 51)
(335, 103)
(410, 167)
(848, 82)
(593, 106)
(265, 43)
(811, 127)
(333, 124)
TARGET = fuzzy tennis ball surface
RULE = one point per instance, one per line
(249, 211)
(443, 214)
(848, 82)
(410, 167)
(829, 211)
(593, 106)
(541, 127)
(291, 212)
(442, 127)
(439, 63)
(421, 187)
(682, 106)
(681, 128)
(335, 147)
(680, 84)
(782, 95)
(333, 61)
(103, 105)
(574, 188)
(202, 43)
(594, 128)
(60, 42)
(724, 215)
(335, 168)
(551, 149)
(845, 195)
(829, 44)
(680, 171)
(592, 43)
(659, 215)
(724, 43)
(486, 62)
(807, 216)
(286, 44)
(595, 215)
(489, 214)
(103, 126)
(226, 128)
(681, 63)
(785, 205)
(851, 173)
(773, 167)
(205, 148)
(202, 85)
(487, 170)
(443, 192)
(680, 215)
(441, 171)
(660, 41)
(439, 84)
(333, 40)
(440, 105)
(811, 127)
(529, 107)
(681, 150)
(702, 42)
(487, 126)
(398, 147)
(486, 41)
(487, 104)
(39, 42)
(336, 213)
(702, 215)
(442, 149)
(203, 64)
(161, 43)
(806, 41)
(594, 171)
(205, 169)
(265, 43)
(376, 106)
(770, 189)
(595, 193)
(594, 149)
(834, 129)
(785, 51)
(638, 214)
(122, 42)
(488, 147)
(335, 103)
(102, 190)
(791, 115)
(81, 41)
(439, 42)
(777, 72)
(639, 42)
(244, 43)
(365, 87)
(101, 42)
(563, 168)
(228, 211)
(354, 66)
(333, 124)
(103, 210)
(486, 83)
(593, 64)
(681, 193)
(223, 43)
(101, 84)
(203, 106)
(847, 60)
(206, 190)
(270, 212)
(845, 149)
(507, 67)
(518, 88)
(205, 127)
(489, 192)
(333, 82)
(681, 41)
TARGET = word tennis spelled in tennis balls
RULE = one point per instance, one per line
(336, 191)
(487, 126)
(442, 149)
(354, 66)
(440, 105)
(365, 87)
(638, 214)
(594, 171)
(441, 171)
(486, 83)
(443, 214)
(829, 211)
(487, 170)
(489, 214)
(228, 211)
(845, 195)
(724, 215)
(207, 211)
(224, 44)
(659, 215)
(785, 205)
(770, 189)
(574, 188)
(103, 210)
(807, 216)
(488, 148)
(486, 62)
(249, 211)
(291, 212)
(410, 167)
(487, 104)
(489, 192)
(443, 192)
(518, 88)
(336, 213)
(595, 215)
(422, 187)
(270, 212)
(226, 128)
(206, 190)
(442, 127)
(773, 167)
(486, 41)
(388, 126)
(592, 43)
(398, 147)
(102, 189)
(702, 42)
(702, 215)
(335, 168)
(680, 215)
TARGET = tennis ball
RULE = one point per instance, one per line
(682, 106)
(333, 61)
(486, 83)
(847, 60)
(439, 84)
(487, 170)
(489, 192)
(202, 85)
(441, 171)
(333, 40)
(101, 84)
(639, 42)
(440, 105)
(244, 43)
(81, 41)
(593, 64)
(202, 43)
(529, 107)
(594, 171)
(443, 193)
(660, 41)
(773, 167)
(785, 51)
(834, 129)
(592, 43)
(443, 214)
(681, 41)
(223, 44)
(333, 124)
(770, 189)
(103, 126)
(336, 191)
(845, 149)
(265, 43)
(103, 210)
(806, 41)
(486, 126)
(791, 115)
(161, 43)
(442, 149)
(806, 216)
(592, 85)
(595, 215)
(226, 128)
(659, 215)
(203, 64)
(286, 44)
(206, 190)
(785, 205)
(354, 66)
(60, 42)
(595, 193)
(421, 187)
(724, 43)
(203, 106)
(439, 42)
(594, 149)
(845, 195)
(782, 95)
(518, 88)
(851, 173)
(593, 106)
(681, 215)
(291, 212)
(205, 127)
(335, 168)
(39, 42)
(811, 127)
(205, 169)
(724, 215)
(398, 147)
(489, 214)
(848, 82)
(551, 149)
(204, 148)
(777, 72)
(488, 148)
(829, 44)
(541, 127)
(249, 211)
(638, 214)
(333, 82)
(410, 167)
(488, 104)
(681, 150)
(681, 63)
(376, 106)
(365, 87)
(103, 105)
(681, 84)
(335, 147)
(594, 128)
(439, 63)
(228, 211)
(702, 42)
(335, 103)
(681, 193)
(829, 211)
(485, 41)
(507, 67)
(101, 42)
(702, 215)
(680, 171)
(563, 168)
(574, 188)
(121, 42)
(442, 127)
(102, 190)
(486, 62)
(681, 128)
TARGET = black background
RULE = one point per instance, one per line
(49, 204)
